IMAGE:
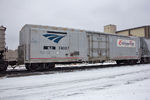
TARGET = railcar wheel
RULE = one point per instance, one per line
(149, 60)
(40, 67)
(3, 67)
(119, 62)
(144, 60)
(132, 62)
(32, 67)
(27, 67)
(51, 66)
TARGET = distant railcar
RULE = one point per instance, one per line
(3, 62)
(145, 50)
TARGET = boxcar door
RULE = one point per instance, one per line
(97, 47)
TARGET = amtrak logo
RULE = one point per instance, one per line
(54, 37)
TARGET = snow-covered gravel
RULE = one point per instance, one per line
(116, 83)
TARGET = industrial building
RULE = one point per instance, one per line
(143, 31)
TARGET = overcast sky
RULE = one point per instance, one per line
(79, 14)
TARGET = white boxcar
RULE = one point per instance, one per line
(3, 63)
(45, 44)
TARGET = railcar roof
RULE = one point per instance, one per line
(71, 29)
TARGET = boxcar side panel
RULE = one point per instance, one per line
(50, 45)
(124, 48)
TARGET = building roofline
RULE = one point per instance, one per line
(133, 28)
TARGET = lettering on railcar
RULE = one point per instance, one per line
(126, 43)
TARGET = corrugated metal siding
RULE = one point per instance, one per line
(147, 31)
(140, 32)
(125, 33)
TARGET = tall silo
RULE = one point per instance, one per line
(111, 29)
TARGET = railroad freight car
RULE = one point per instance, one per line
(3, 63)
(41, 47)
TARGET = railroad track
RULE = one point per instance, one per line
(24, 72)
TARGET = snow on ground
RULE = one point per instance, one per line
(22, 67)
(85, 64)
(136, 91)
(15, 68)
(116, 83)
